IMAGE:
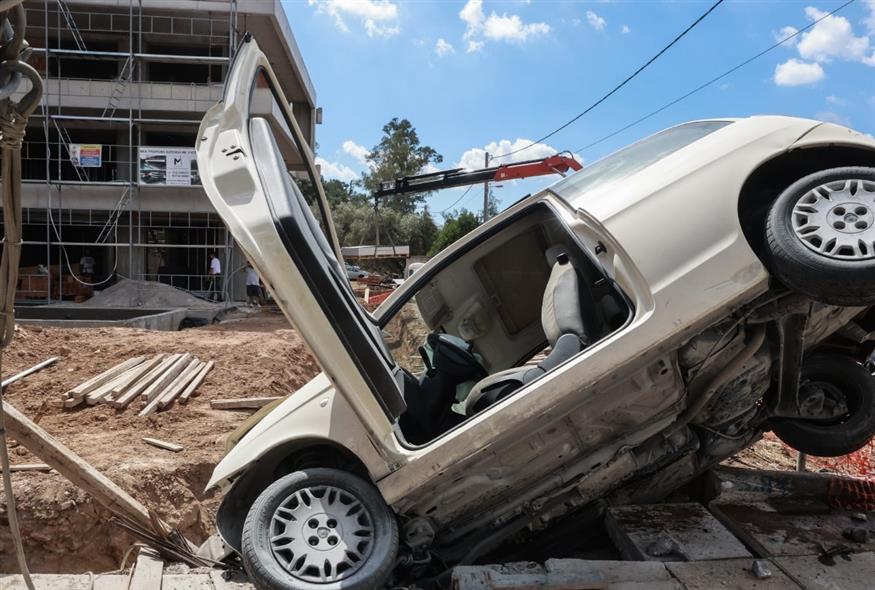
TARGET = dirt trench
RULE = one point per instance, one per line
(65, 531)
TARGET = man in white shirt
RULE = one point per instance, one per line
(253, 290)
(215, 273)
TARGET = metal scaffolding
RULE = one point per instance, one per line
(74, 37)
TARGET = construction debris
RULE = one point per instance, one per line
(167, 446)
(156, 381)
(246, 403)
(30, 467)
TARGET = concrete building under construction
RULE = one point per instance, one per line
(110, 178)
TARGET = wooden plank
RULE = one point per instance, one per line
(178, 384)
(147, 571)
(134, 374)
(165, 378)
(121, 401)
(244, 403)
(74, 468)
(730, 574)
(100, 394)
(671, 532)
(161, 444)
(192, 387)
(80, 390)
(151, 395)
(30, 467)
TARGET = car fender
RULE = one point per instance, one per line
(834, 135)
(314, 414)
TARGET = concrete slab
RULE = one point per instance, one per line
(65, 582)
(566, 574)
(729, 574)
(671, 532)
(786, 527)
(856, 574)
(186, 582)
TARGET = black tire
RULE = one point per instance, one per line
(823, 278)
(844, 435)
(370, 573)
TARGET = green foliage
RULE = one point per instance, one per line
(398, 154)
(456, 225)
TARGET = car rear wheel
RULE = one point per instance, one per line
(839, 395)
(821, 236)
(319, 528)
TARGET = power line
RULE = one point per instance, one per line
(717, 78)
(619, 86)
(456, 202)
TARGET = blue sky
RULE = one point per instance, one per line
(480, 74)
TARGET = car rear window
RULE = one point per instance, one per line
(638, 156)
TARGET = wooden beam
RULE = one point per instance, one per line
(178, 384)
(161, 444)
(147, 572)
(80, 390)
(136, 373)
(74, 468)
(190, 390)
(152, 395)
(244, 403)
(30, 467)
(128, 396)
(25, 373)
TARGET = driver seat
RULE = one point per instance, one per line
(568, 320)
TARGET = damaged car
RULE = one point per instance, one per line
(610, 337)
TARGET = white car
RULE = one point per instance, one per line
(354, 273)
(614, 335)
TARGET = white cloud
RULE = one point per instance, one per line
(474, 46)
(429, 168)
(512, 28)
(378, 17)
(359, 152)
(831, 38)
(474, 157)
(869, 21)
(798, 73)
(336, 170)
(831, 117)
(443, 47)
(595, 21)
(836, 100)
(495, 27)
(787, 33)
(625, 30)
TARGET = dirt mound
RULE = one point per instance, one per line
(150, 294)
(65, 530)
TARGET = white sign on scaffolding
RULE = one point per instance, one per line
(168, 166)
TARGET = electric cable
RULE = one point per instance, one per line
(717, 78)
(618, 86)
(457, 201)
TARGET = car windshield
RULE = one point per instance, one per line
(637, 156)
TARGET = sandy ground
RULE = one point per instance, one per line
(255, 354)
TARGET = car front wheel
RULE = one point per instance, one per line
(320, 529)
(821, 236)
(838, 395)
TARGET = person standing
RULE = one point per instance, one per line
(215, 273)
(86, 266)
(253, 290)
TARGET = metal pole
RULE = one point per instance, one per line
(7, 382)
(486, 190)
(800, 461)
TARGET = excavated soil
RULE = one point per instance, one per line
(65, 530)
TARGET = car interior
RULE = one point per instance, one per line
(501, 315)
(495, 317)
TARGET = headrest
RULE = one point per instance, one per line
(554, 252)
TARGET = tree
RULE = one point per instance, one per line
(455, 226)
(398, 154)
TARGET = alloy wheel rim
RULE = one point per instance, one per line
(836, 220)
(321, 534)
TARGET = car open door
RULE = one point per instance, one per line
(247, 144)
